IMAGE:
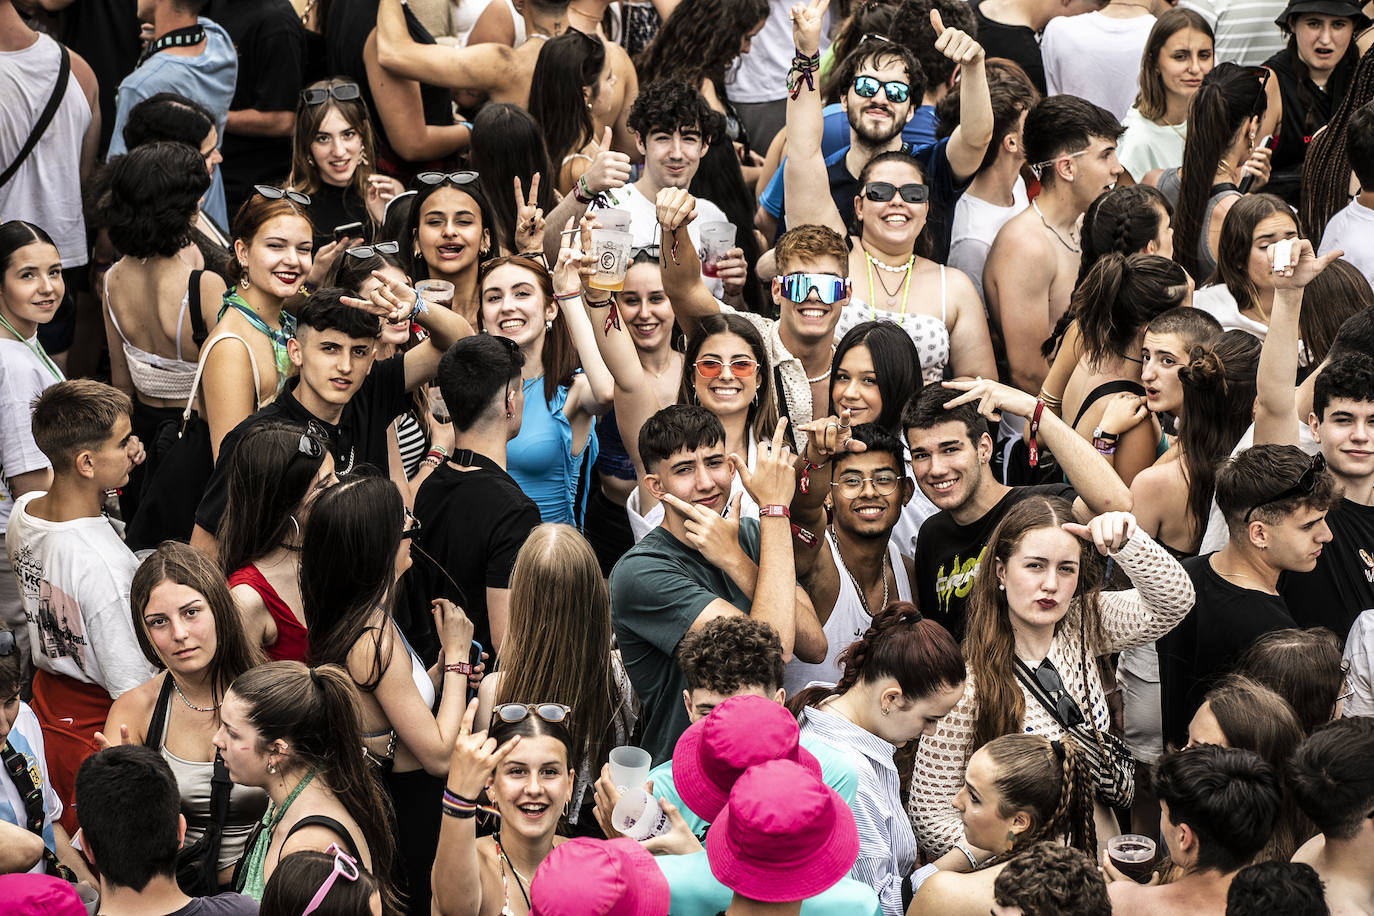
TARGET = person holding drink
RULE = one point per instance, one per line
(544, 317)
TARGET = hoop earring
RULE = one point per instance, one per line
(295, 526)
(566, 805)
(243, 281)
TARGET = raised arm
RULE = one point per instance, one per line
(1276, 416)
(682, 281)
(609, 170)
(1099, 488)
(971, 137)
(806, 189)
(402, 113)
(479, 67)
(575, 265)
(393, 300)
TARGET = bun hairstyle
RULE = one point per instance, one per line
(1219, 386)
(1051, 782)
(1220, 109)
(316, 712)
(1119, 297)
(915, 651)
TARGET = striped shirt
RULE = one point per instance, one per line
(1244, 29)
(887, 844)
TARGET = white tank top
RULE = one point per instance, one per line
(846, 624)
(45, 191)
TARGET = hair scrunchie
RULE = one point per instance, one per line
(316, 679)
(1058, 747)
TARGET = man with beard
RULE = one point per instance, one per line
(854, 570)
(883, 84)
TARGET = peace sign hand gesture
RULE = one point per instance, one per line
(529, 218)
(806, 25)
(575, 259)
(392, 301)
(475, 757)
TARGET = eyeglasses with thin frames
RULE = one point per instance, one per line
(851, 486)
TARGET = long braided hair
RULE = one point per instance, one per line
(1326, 167)
(901, 644)
(1051, 782)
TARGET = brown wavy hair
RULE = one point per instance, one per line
(1051, 782)
(990, 645)
(305, 176)
(699, 41)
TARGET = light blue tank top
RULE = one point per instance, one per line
(541, 459)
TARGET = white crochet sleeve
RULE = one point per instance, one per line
(941, 760)
(1162, 597)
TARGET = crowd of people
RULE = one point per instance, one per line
(590, 457)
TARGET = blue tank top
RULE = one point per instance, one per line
(541, 459)
(612, 460)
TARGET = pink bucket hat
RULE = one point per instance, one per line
(39, 895)
(714, 751)
(783, 836)
(586, 877)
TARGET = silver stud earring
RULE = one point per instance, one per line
(272, 769)
(1001, 586)
(548, 325)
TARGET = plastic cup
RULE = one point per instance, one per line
(629, 767)
(638, 816)
(614, 219)
(716, 239)
(90, 898)
(1133, 855)
(437, 407)
(436, 292)
(611, 248)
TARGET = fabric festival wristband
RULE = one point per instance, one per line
(805, 483)
(1033, 448)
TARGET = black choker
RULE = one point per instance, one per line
(177, 38)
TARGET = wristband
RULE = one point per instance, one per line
(1034, 457)
(421, 306)
(437, 450)
(774, 511)
(807, 467)
(803, 535)
(581, 191)
(463, 668)
(566, 296)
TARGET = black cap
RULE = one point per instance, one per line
(1350, 9)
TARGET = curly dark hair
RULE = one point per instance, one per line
(700, 40)
(1052, 880)
(666, 105)
(147, 198)
(1292, 888)
(729, 654)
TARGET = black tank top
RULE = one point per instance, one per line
(1306, 108)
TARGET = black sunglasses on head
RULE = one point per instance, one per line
(883, 191)
(271, 193)
(1304, 487)
(344, 92)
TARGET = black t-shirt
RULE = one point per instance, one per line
(948, 554)
(472, 524)
(1017, 43)
(1224, 621)
(332, 206)
(106, 34)
(1306, 109)
(270, 42)
(359, 438)
(1342, 585)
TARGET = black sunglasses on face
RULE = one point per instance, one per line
(882, 191)
(433, 178)
(271, 193)
(344, 92)
(1304, 487)
(366, 251)
(1047, 676)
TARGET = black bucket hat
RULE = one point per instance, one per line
(1350, 9)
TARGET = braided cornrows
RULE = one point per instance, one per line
(1326, 167)
(1051, 782)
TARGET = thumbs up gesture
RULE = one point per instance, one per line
(609, 170)
(955, 44)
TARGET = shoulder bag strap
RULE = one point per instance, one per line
(1027, 679)
(198, 329)
(204, 357)
(158, 723)
(322, 820)
(64, 70)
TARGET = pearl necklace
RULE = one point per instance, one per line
(824, 375)
(177, 688)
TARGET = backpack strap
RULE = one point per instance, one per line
(64, 71)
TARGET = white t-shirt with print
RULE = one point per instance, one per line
(74, 579)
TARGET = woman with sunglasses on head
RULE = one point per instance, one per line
(293, 731)
(188, 626)
(647, 314)
(559, 599)
(1018, 790)
(450, 234)
(937, 307)
(329, 883)
(566, 382)
(1311, 76)
(524, 762)
(1222, 149)
(415, 433)
(1178, 54)
(357, 545)
(275, 475)
(1037, 616)
(331, 160)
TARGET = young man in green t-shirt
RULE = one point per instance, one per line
(703, 561)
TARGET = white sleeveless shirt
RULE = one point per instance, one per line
(846, 624)
(45, 191)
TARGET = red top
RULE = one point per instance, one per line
(292, 644)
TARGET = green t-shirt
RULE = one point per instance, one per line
(658, 589)
(694, 891)
(837, 772)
